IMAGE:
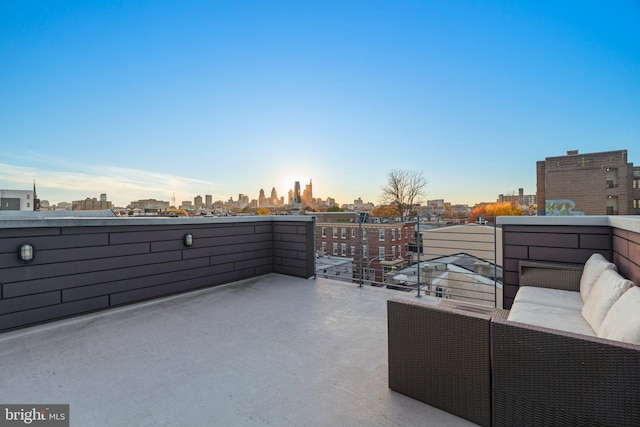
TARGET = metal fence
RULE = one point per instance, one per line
(458, 262)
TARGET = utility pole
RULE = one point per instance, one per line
(419, 248)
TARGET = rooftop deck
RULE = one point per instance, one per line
(272, 350)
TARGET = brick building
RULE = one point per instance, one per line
(588, 184)
(92, 204)
(379, 248)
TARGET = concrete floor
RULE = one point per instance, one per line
(275, 350)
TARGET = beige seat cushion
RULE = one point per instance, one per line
(622, 322)
(608, 288)
(551, 297)
(594, 266)
(563, 319)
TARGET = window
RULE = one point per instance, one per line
(343, 249)
(335, 249)
(28, 196)
(323, 248)
(324, 231)
(343, 233)
(636, 203)
(611, 177)
(364, 234)
(335, 232)
(393, 252)
(399, 251)
(636, 183)
(28, 204)
(393, 234)
(353, 250)
(441, 292)
(353, 232)
(381, 234)
(365, 251)
(381, 252)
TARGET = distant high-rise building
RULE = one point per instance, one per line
(197, 202)
(91, 204)
(274, 197)
(521, 198)
(208, 201)
(149, 205)
(296, 193)
(307, 195)
(243, 201)
(262, 199)
(588, 184)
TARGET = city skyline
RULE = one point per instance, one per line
(154, 98)
(282, 199)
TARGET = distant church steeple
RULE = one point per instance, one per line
(36, 201)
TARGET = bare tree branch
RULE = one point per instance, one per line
(403, 190)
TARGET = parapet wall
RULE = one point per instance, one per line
(85, 265)
(568, 239)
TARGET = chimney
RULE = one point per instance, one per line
(482, 268)
(572, 153)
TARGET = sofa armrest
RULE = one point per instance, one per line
(554, 275)
(547, 377)
(440, 354)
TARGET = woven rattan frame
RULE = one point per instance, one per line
(440, 355)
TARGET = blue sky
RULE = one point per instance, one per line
(144, 99)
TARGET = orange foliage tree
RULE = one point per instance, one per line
(491, 210)
(385, 211)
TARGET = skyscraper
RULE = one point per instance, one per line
(296, 193)
(262, 199)
(307, 195)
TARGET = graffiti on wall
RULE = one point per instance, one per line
(561, 208)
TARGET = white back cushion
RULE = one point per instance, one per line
(608, 288)
(594, 266)
(622, 322)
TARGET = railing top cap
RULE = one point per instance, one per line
(116, 221)
(630, 223)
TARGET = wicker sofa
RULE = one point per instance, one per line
(531, 374)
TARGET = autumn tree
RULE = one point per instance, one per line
(492, 210)
(403, 190)
(263, 211)
(385, 211)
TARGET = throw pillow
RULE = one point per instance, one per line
(594, 266)
(608, 288)
(622, 322)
